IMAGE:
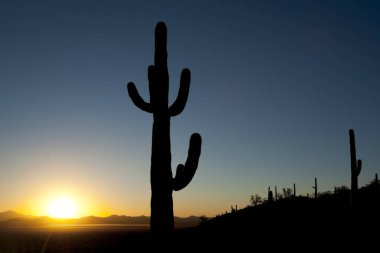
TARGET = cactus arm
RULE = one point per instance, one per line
(359, 167)
(185, 173)
(183, 93)
(137, 99)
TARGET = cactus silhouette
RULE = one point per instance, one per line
(315, 187)
(270, 195)
(275, 193)
(161, 177)
(356, 166)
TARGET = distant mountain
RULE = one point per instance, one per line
(113, 219)
(9, 215)
(12, 218)
(190, 221)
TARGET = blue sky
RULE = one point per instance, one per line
(275, 87)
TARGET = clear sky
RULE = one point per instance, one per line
(275, 87)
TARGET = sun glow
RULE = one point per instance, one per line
(63, 207)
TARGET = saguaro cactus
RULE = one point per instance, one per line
(356, 166)
(315, 187)
(161, 177)
(275, 193)
(270, 195)
(294, 189)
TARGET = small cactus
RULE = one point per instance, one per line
(275, 193)
(315, 187)
(356, 166)
(270, 195)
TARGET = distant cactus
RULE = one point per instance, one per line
(356, 166)
(275, 193)
(161, 177)
(315, 187)
(270, 195)
(294, 189)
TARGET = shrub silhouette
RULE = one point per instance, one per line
(287, 192)
(161, 177)
(342, 188)
(356, 166)
(256, 199)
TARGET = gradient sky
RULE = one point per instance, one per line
(275, 87)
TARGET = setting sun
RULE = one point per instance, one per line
(62, 208)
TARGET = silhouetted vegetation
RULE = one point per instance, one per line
(256, 199)
(270, 195)
(287, 192)
(162, 181)
(275, 193)
(327, 220)
(315, 187)
(341, 189)
(356, 166)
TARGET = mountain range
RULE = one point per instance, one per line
(11, 218)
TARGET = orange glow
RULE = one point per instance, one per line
(75, 198)
(62, 201)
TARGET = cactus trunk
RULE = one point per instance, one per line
(356, 166)
(161, 177)
(162, 217)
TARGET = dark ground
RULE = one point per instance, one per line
(72, 239)
(298, 223)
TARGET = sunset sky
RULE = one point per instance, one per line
(275, 87)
